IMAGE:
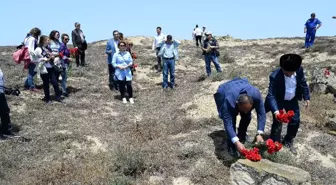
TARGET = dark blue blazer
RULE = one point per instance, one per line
(110, 46)
(277, 89)
(226, 99)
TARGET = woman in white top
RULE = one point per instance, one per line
(44, 57)
(31, 43)
(55, 46)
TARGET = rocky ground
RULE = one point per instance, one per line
(166, 137)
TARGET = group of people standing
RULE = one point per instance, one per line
(50, 58)
(120, 62)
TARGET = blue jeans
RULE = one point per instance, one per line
(168, 65)
(29, 83)
(214, 59)
(293, 126)
(310, 37)
(64, 75)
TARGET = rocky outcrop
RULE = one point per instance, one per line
(323, 82)
(265, 172)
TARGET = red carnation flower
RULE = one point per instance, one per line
(278, 146)
(326, 73)
(252, 155)
(285, 117)
(290, 113)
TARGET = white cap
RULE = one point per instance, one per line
(209, 33)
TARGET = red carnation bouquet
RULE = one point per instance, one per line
(73, 52)
(255, 154)
(273, 147)
(252, 155)
(285, 117)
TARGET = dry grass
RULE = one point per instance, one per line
(92, 138)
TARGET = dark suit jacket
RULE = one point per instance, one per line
(76, 39)
(226, 100)
(277, 89)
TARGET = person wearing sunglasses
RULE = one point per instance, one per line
(65, 62)
(122, 62)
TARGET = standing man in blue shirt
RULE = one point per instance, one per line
(169, 53)
(235, 97)
(311, 26)
(287, 86)
(111, 49)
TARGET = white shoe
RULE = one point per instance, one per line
(131, 100)
(124, 100)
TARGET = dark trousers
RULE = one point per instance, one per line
(50, 77)
(242, 129)
(122, 88)
(81, 56)
(112, 82)
(198, 39)
(158, 59)
(4, 114)
(293, 126)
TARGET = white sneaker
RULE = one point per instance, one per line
(124, 100)
(131, 100)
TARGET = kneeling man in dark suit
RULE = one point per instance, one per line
(287, 86)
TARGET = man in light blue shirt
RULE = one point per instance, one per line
(311, 26)
(169, 53)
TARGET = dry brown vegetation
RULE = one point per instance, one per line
(166, 137)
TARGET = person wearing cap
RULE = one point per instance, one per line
(287, 86)
(169, 53)
(235, 97)
(211, 53)
(78, 41)
(311, 26)
(158, 39)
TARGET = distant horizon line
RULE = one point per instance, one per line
(267, 38)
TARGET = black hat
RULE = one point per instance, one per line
(290, 62)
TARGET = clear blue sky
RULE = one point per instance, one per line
(240, 19)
